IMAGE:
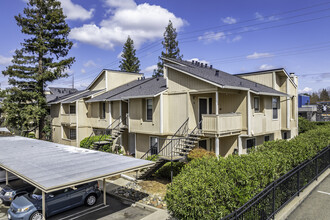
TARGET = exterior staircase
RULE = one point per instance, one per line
(176, 149)
(115, 130)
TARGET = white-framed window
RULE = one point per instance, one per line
(102, 110)
(154, 145)
(72, 109)
(149, 109)
(275, 107)
(256, 104)
(250, 144)
(73, 134)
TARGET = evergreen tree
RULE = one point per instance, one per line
(324, 95)
(129, 62)
(40, 60)
(314, 98)
(171, 46)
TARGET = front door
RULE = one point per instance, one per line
(202, 109)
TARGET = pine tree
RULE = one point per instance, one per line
(324, 95)
(40, 60)
(314, 98)
(171, 46)
(129, 62)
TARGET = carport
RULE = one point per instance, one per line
(50, 166)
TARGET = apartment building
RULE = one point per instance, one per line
(192, 105)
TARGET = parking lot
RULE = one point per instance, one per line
(115, 210)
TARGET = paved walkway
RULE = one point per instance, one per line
(316, 205)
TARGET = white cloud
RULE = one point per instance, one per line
(83, 70)
(306, 90)
(201, 61)
(142, 22)
(211, 36)
(236, 38)
(75, 11)
(266, 67)
(149, 70)
(90, 63)
(5, 60)
(229, 20)
(259, 16)
(256, 55)
(119, 55)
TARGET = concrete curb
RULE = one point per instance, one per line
(291, 206)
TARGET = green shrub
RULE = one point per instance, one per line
(88, 142)
(211, 188)
(199, 152)
(305, 125)
(165, 171)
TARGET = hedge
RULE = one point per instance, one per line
(211, 188)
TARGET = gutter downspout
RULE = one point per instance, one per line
(249, 113)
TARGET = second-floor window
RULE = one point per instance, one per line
(149, 110)
(72, 109)
(102, 110)
(275, 107)
(256, 104)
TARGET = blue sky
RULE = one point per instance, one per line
(234, 36)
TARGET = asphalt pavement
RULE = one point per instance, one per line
(114, 210)
(316, 205)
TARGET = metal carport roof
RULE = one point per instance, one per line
(51, 166)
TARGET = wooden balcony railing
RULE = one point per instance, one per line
(222, 124)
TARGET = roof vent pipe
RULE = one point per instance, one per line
(216, 72)
(201, 64)
(192, 61)
(205, 65)
(211, 66)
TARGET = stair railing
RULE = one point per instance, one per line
(88, 140)
(182, 131)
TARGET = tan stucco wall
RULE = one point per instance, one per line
(227, 145)
(263, 78)
(137, 112)
(99, 84)
(116, 79)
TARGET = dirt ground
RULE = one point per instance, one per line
(155, 186)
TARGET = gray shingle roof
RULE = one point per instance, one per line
(222, 79)
(150, 88)
(56, 92)
(138, 88)
(81, 96)
(60, 99)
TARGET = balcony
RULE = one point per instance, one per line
(222, 124)
(69, 119)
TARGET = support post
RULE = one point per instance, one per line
(216, 102)
(240, 148)
(249, 113)
(6, 177)
(217, 147)
(43, 205)
(104, 192)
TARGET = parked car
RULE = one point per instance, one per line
(29, 207)
(14, 189)
(3, 176)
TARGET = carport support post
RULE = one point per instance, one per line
(104, 192)
(6, 177)
(43, 205)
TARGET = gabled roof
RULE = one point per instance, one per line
(104, 70)
(153, 87)
(60, 99)
(267, 71)
(149, 87)
(86, 94)
(220, 78)
(57, 92)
